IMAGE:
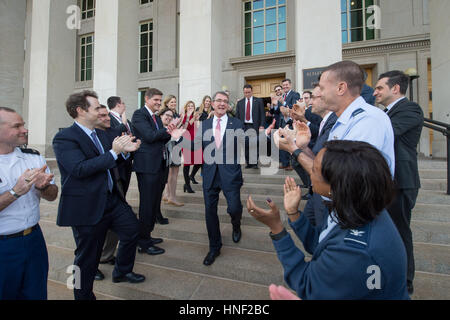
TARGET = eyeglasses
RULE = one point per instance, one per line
(220, 101)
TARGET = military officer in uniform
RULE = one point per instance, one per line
(24, 180)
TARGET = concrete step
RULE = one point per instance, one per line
(431, 212)
(433, 197)
(429, 257)
(235, 263)
(182, 262)
(432, 164)
(161, 283)
(424, 230)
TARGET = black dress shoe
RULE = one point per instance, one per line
(193, 180)
(162, 220)
(152, 250)
(249, 166)
(156, 240)
(99, 275)
(111, 261)
(237, 234)
(211, 257)
(410, 289)
(129, 277)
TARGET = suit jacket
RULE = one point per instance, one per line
(339, 267)
(291, 99)
(124, 168)
(150, 157)
(367, 94)
(230, 173)
(258, 113)
(84, 177)
(407, 121)
(118, 125)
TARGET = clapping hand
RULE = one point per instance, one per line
(281, 293)
(292, 195)
(303, 135)
(270, 217)
(284, 140)
(125, 144)
(27, 180)
(176, 133)
(42, 178)
(298, 111)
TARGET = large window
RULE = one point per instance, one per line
(355, 15)
(264, 26)
(146, 47)
(87, 9)
(86, 57)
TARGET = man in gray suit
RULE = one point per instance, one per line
(407, 121)
(250, 110)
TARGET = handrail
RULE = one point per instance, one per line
(436, 125)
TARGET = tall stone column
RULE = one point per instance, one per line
(200, 49)
(318, 41)
(116, 51)
(440, 65)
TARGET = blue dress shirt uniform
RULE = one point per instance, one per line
(343, 262)
(23, 259)
(364, 122)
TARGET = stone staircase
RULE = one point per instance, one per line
(243, 271)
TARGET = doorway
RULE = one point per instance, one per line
(263, 86)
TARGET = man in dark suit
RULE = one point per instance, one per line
(149, 165)
(118, 121)
(90, 202)
(407, 121)
(250, 110)
(221, 171)
(290, 97)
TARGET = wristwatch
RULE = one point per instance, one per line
(14, 194)
(296, 153)
(278, 236)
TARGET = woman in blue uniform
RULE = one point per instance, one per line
(358, 253)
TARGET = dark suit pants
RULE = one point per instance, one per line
(151, 187)
(118, 217)
(251, 145)
(400, 212)
(301, 172)
(234, 209)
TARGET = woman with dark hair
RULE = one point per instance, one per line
(169, 195)
(358, 253)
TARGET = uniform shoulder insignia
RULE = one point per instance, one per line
(30, 151)
(358, 238)
(357, 111)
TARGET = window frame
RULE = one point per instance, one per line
(365, 17)
(82, 73)
(149, 45)
(277, 23)
(85, 10)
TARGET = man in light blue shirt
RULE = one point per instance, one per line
(340, 86)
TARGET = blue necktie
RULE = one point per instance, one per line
(100, 149)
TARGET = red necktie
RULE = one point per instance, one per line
(247, 113)
(218, 134)
(156, 123)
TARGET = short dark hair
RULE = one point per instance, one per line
(349, 72)
(288, 80)
(248, 86)
(360, 180)
(278, 85)
(153, 92)
(113, 102)
(307, 91)
(6, 109)
(222, 93)
(396, 77)
(102, 106)
(164, 111)
(79, 99)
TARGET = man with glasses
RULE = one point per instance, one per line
(221, 172)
